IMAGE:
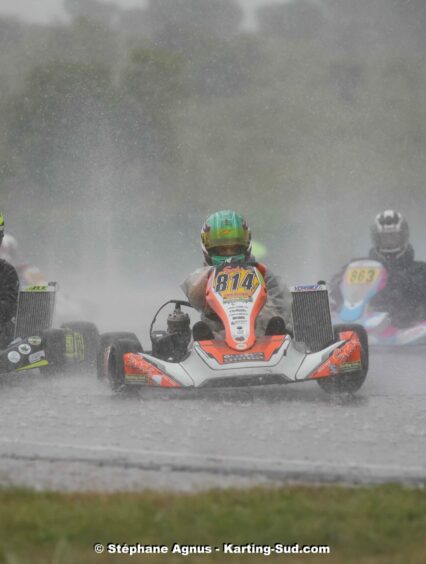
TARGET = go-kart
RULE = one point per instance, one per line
(37, 345)
(337, 358)
(362, 280)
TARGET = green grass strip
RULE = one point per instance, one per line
(385, 525)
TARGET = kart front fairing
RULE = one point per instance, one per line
(362, 280)
(237, 295)
(201, 368)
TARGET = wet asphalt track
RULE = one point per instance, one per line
(72, 432)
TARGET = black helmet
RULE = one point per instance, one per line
(390, 234)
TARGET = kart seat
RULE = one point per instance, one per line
(202, 332)
(276, 326)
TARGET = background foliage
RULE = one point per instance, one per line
(120, 130)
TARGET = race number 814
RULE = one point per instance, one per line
(235, 282)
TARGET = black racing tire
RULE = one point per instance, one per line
(90, 335)
(53, 343)
(105, 342)
(118, 348)
(351, 382)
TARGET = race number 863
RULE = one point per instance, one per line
(362, 275)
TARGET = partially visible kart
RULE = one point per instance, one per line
(337, 358)
(38, 345)
(361, 282)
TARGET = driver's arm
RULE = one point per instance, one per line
(335, 294)
(279, 299)
(194, 286)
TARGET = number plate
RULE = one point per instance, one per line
(236, 283)
(362, 275)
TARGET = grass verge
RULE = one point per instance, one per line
(381, 525)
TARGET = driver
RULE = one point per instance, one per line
(28, 275)
(404, 296)
(9, 287)
(226, 237)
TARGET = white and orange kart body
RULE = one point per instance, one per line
(237, 294)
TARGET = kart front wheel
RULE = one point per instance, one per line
(105, 342)
(115, 364)
(351, 382)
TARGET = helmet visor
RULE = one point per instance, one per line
(390, 242)
(218, 260)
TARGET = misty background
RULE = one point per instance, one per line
(123, 128)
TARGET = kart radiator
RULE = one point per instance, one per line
(311, 317)
(36, 306)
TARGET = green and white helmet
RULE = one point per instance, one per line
(225, 237)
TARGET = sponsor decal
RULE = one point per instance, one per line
(38, 364)
(342, 354)
(35, 341)
(309, 288)
(37, 289)
(69, 345)
(35, 357)
(14, 357)
(79, 346)
(74, 346)
(244, 357)
(350, 366)
(345, 367)
(137, 378)
(24, 348)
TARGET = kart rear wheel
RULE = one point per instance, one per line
(117, 349)
(90, 334)
(351, 382)
(53, 342)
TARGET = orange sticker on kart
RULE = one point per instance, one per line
(236, 283)
(137, 369)
(344, 359)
